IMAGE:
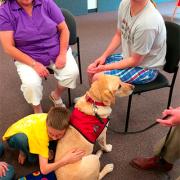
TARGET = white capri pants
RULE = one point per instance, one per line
(32, 83)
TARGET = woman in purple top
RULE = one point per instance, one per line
(35, 35)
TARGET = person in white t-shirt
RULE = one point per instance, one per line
(141, 33)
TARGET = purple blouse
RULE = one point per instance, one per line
(35, 35)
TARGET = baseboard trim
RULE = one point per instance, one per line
(92, 10)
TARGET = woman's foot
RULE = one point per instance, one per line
(56, 100)
(21, 158)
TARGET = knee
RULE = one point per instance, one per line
(10, 172)
(96, 76)
(18, 140)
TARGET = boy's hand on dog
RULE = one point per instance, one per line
(72, 156)
(98, 62)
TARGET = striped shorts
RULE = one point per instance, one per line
(134, 75)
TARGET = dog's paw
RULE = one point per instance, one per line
(107, 148)
(99, 153)
(109, 167)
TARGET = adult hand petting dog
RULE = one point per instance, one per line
(3, 169)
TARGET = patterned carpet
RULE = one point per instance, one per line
(36, 175)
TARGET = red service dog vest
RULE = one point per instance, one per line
(89, 126)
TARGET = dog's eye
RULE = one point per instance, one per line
(119, 87)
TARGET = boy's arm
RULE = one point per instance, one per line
(132, 61)
(71, 157)
(46, 167)
(114, 44)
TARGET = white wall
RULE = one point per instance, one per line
(92, 4)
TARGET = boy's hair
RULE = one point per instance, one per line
(58, 118)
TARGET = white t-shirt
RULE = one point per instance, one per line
(144, 34)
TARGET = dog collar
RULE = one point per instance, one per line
(90, 100)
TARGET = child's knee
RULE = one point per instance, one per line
(10, 172)
(18, 140)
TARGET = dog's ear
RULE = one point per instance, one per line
(108, 97)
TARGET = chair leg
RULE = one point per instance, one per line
(170, 97)
(69, 97)
(128, 113)
(79, 59)
(171, 88)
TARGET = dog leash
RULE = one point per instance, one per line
(136, 132)
(96, 114)
(163, 149)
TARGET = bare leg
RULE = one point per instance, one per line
(90, 77)
(37, 109)
(93, 77)
(96, 76)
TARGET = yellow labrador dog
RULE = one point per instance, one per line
(88, 124)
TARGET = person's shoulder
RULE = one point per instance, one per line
(151, 19)
(4, 6)
(153, 13)
(46, 1)
(124, 2)
(36, 117)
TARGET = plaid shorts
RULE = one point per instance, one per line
(135, 75)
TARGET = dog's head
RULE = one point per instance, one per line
(107, 87)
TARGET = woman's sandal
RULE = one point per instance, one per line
(58, 102)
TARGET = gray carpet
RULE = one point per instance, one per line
(95, 31)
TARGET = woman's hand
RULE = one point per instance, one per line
(173, 119)
(41, 69)
(60, 61)
(3, 168)
(72, 156)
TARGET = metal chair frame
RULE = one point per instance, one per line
(170, 67)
